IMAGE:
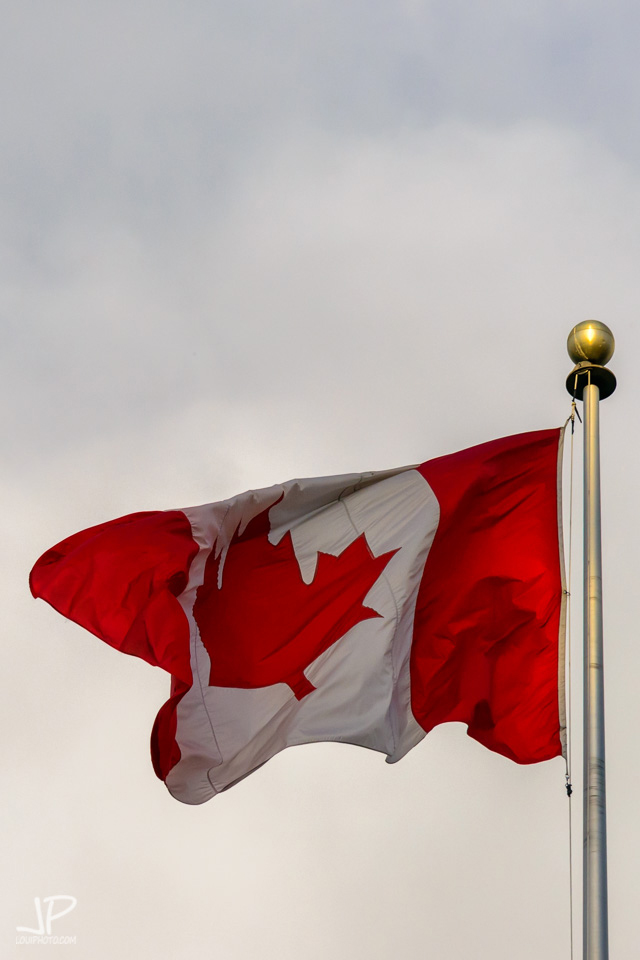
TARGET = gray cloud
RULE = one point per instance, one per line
(247, 242)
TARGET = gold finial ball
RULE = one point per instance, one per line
(592, 341)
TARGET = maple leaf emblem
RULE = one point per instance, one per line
(264, 624)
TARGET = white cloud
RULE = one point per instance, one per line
(246, 243)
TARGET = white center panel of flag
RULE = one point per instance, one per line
(362, 681)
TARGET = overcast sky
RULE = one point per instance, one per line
(247, 241)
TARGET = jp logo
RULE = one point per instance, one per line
(44, 922)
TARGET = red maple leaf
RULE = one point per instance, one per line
(264, 624)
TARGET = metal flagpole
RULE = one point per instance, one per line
(591, 345)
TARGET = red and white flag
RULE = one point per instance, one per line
(364, 609)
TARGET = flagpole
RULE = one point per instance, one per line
(591, 345)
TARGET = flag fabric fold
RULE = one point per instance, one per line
(364, 609)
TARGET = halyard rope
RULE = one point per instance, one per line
(568, 785)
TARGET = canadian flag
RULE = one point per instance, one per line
(363, 609)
